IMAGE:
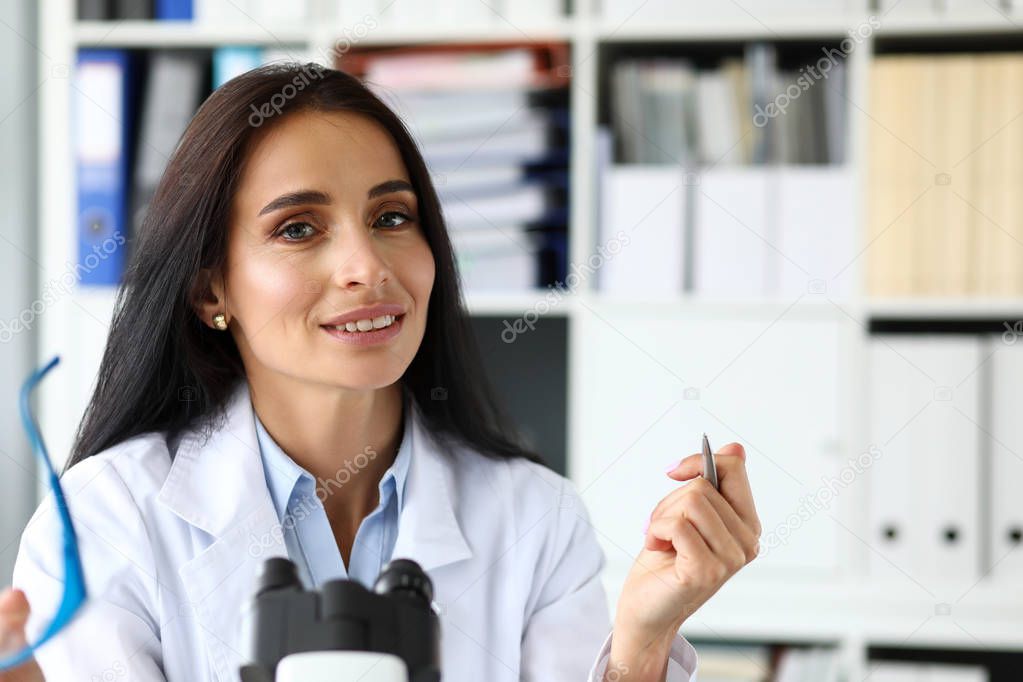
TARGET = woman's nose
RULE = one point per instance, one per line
(359, 261)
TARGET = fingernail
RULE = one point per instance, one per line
(646, 524)
(672, 467)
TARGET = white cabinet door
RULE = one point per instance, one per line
(648, 388)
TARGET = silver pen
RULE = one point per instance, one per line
(710, 469)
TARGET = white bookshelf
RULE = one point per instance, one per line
(842, 606)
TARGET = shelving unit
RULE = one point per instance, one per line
(835, 603)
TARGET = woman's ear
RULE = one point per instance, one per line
(208, 296)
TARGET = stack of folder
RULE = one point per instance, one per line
(751, 109)
(130, 109)
(944, 492)
(944, 206)
(717, 199)
(492, 123)
(263, 12)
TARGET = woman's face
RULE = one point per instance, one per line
(324, 222)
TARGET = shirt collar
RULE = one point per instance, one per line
(216, 483)
(283, 475)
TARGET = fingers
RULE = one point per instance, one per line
(740, 534)
(695, 562)
(678, 533)
(732, 479)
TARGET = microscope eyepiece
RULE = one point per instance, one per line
(277, 573)
(404, 576)
(286, 623)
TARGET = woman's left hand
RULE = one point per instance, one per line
(697, 539)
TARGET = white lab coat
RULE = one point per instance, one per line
(172, 547)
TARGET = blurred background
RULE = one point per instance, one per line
(795, 224)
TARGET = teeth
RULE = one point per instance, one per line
(368, 324)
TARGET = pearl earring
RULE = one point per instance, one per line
(220, 321)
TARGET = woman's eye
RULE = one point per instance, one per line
(391, 219)
(296, 231)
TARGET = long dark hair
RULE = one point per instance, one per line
(164, 370)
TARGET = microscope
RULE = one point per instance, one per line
(343, 632)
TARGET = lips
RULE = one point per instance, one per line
(366, 338)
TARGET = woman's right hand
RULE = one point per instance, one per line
(13, 616)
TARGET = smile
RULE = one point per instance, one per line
(367, 325)
(368, 331)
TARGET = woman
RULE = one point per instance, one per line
(289, 373)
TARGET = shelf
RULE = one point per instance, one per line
(990, 617)
(157, 34)
(167, 34)
(952, 24)
(956, 308)
(138, 33)
(501, 32)
(689, 305)
(770, 28)
(544, 302)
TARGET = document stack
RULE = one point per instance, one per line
(731, 180)
(492, 123)
(944, 492)
(219, 12)
(944, 175)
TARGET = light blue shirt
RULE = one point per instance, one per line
(307, 533)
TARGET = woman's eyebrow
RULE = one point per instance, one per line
(309, 196)
(389, 187)
(306, 196)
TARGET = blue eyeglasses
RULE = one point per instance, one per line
(74, 577)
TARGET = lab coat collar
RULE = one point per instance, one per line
(220, 487)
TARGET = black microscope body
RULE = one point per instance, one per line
(396, 617)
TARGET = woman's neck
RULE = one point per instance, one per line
(345, 439)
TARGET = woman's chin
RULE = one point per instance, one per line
(369, 378)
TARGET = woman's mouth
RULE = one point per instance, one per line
(367, 332)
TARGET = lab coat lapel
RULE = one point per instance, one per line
(428, 529)
(219, 487)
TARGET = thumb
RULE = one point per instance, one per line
(13, 604)
(14, 610)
